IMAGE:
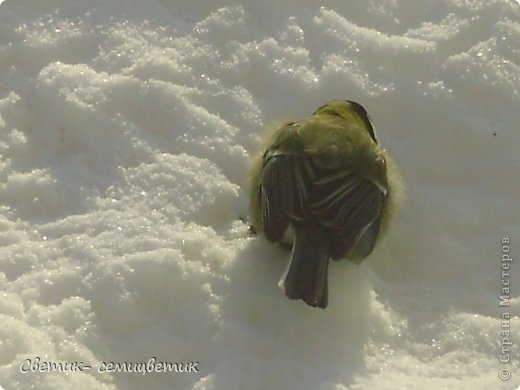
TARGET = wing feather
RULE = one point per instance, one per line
(346, 203)
(283, 193)
(294, 188)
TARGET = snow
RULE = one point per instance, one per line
(126, 128)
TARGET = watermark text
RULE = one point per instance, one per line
(504, 297)
(152, 365)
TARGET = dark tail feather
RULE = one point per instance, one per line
(306, 276)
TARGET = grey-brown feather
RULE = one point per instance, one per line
(294, 188)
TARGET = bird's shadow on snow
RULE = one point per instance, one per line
(279, 341)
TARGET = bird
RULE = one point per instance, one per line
(325, 181)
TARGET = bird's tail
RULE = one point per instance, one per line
(306, 276)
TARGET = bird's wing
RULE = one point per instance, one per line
(350, 206)
(367, 239)
(284, 189)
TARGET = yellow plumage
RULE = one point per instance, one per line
(327, 179)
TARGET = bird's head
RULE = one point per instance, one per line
(348, 109)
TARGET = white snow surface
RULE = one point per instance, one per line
(126, 128)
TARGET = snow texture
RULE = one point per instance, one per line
(126, 128)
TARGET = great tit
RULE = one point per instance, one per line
(326, 180)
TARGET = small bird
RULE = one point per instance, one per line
(327, 181)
